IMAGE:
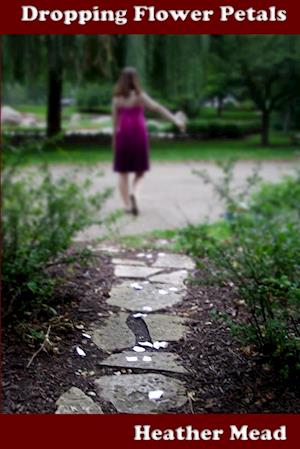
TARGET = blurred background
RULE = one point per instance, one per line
(242, 89)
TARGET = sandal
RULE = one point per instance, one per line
(134, 209)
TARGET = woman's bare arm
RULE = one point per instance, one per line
(154, 106)
(114, 120)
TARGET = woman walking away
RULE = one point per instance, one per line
(130, 138)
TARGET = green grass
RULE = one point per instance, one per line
(229, 114)
(152, 240)
(164, 151)
(40, 110)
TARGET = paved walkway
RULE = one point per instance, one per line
(172, 196)
(135, 338)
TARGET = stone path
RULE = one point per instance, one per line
(136, 337)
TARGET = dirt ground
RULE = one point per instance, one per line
(223, 376)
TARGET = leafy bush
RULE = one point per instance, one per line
(41, 215)
(94, 97)
(207, 129)
(191, 106)
(261, 256)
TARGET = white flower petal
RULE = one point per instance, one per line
(155, 395)
(140, 315)
(147, 309)
(138, 349)
(147, 344)
(131, 359)
(87, 336)
(80, 351)
(162, 292)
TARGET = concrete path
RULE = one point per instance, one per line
(172, 196)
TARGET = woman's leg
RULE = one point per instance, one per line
(124, 189)
(137, 182)
(136, 187)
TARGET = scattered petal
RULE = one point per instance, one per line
(131, 359)
(139, 315)
(149, 256)
(147, 344)
(138, 349)
(79, 327)
(147, 358)
(155, 395)
(162, 292)
(140, 255)
(86, 336)
(161, 254)
(160, 345)
(80, 351)
(136, 286)
(147, 309)
(92, 393)
(173, 289)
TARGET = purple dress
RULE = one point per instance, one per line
(132, 145)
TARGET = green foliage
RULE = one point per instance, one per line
(94, 97)
(260, 255)
(221, 129)
(41, 215)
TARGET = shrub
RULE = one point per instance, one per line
(40, 217)
(94, 97)
(261, 257)
(207, 129)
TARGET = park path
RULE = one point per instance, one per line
(140, 372)
(172, 195)
(146, 377)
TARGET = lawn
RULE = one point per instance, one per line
(171, 150)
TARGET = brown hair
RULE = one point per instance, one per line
(128, 81)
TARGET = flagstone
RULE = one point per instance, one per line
(175, 277)
(157, 296)
(135, 272)
(113, 334)
(130, 393)
(164, 327)
(75, 401)
(168, 260)
(131, 262)
(152, 361)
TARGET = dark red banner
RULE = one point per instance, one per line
(151, 431)
(150, 17)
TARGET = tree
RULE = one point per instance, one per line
(220, 76)
(270, 71)
(55, 84)
(172, 66)
(53, 59)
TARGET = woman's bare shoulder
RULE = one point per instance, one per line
(133, 100)
(117, 100)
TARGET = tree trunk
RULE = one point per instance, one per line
(54, 104)
(220, 106)
(55, 86)
(265, 133)
(287, 119)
